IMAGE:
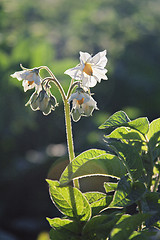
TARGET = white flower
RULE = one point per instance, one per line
(82, 104)
(90, 70)
(30, 78)
(42, 101)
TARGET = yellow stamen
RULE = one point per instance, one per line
(88, 69)
(80, 101)
(30, 83)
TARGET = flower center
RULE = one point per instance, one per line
(87, 69)
(80, 101)
(30, 83)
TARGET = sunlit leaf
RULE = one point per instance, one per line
(70, 201)
(127, 193)
(99, 227)
(110, 186)
(120, 118)
(127, 225)
(140, 124)
(145, 235)
(98, 201)
(116, 120)
(64, 224)
(90, 163)
(130, 153)
(153, 134)
(125, 133)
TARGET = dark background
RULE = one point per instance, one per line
(52, 32)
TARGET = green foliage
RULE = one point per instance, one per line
(98, 201)
(66, 224)
(126, 225)
(132, 182)
(99, 227)
(70, 201)
(127, 193)
(93, 162)
(121, 119)
(151, 203)
(110, 187)
(52, 34)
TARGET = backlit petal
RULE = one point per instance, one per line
(84, 57)
(89, 81)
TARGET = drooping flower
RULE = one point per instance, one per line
(82, 104)
(30, 78)
(42, 101)
(90, 70)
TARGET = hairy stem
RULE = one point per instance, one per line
(67, 117)
(69, 137)
(57, 83)
(72, 86)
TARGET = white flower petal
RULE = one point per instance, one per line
(92, 103)
(36, 78)
(75, 73)
(90, 70)
(17, 75)
(77, 95)
(27, 86)
(87, 110)
(30, 78)
(75, 115)
(86, 97)
(84, 57)
(100, 59)
(89, 81)
(100, 74)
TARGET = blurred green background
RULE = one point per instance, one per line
(52, 32)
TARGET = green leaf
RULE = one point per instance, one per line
(90, 163)
(124, 133)
(64, 224)
(145, 235)
(70, 201)
(110, 186)
(157, 224)
(129, 153)
(153, 134)
(127, 193)
(148, 165)
(151, 203)
(140, 124)
(156, 151)
(62, 234)
(154, 139)
(98, 201)
(116, 120)
(99, 227)
(127, 225)
(121, 119)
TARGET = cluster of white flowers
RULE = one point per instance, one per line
(88, 72)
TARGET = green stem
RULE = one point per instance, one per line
(72, 86)
(69, 137)
(57, 83)
(67, 117)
